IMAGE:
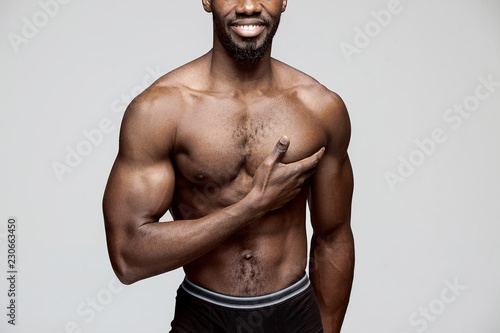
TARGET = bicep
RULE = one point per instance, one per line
(141, 183)
(330, 194)
(332, 184)
(136, 195)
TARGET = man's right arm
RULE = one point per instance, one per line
(140, 190)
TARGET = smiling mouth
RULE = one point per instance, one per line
(248, 28)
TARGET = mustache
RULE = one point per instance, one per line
(257, 16)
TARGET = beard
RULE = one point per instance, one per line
(251, 50)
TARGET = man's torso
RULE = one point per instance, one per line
(221, 137)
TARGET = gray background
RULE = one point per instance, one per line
(439, 227)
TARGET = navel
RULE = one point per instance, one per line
(248, 255)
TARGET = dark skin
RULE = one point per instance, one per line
(202, 143)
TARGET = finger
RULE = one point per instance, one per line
(309, 163)
(280, 149)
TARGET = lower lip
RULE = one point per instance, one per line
(250, 32)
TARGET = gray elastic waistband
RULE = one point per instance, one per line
(251, 302)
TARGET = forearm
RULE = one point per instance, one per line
(155, 248)
(331, 272)
(138, 195)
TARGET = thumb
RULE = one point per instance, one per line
(280, 149)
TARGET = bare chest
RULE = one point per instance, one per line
(221, 142)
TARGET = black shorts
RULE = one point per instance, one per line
(291, 310)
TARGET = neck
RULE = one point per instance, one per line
(228, 73)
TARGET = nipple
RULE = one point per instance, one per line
(200, 177)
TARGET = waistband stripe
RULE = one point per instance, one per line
(250, 302)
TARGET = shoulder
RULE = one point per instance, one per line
(167, 95)
(151, 119)
(322, 104)
(164, 102)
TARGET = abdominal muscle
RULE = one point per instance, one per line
(266, 256)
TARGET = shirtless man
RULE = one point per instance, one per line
(234, 144)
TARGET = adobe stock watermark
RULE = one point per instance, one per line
(254, 320)
(88, 309)
(454, 118)
(363, 36)
(430, 312)
(92, 138)
(30, 27)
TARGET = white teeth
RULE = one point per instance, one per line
(248, 27)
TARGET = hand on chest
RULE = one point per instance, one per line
(215, 142)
